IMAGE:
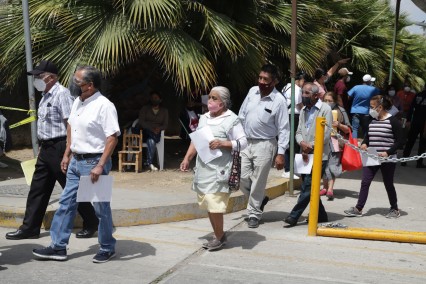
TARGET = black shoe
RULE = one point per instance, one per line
(291, 221)
(50, 253)
(253, 222)
(20, 235)
(403, 164)
(103, 256)
(85, 233)
(264, 202)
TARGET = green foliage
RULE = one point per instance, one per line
(199, 44)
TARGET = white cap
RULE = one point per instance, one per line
(204, 99)
(368, 78)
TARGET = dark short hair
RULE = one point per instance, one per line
(383, 101)
(300, 75)
(271, 69)
(154, 92)
(91, 74)
(319, 73)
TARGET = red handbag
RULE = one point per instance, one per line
(351, 159)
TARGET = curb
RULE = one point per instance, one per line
(154, 215)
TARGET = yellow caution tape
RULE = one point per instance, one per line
(18, 109)
(22, 122)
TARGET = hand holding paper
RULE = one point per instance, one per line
(201, 139)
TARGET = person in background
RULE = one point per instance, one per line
(53, 112)
(406, 97)
(92, 132)
(416, 121)
(305, 136)
(396, 109)
(299, 81)
(341, 89)
(384, 135)
(189, 119)
(321, 77)
(211, 178)
(264, 116)
(153, 119)
(360, 96)
(342, 124)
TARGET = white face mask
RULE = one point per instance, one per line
(348, 79)
(39, 84)
(391, 93)
(407, 89)
(374, 114)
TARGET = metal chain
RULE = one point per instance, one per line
(376, 157)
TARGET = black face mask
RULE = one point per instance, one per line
(306, 101)
(75, 90)
(155, 102)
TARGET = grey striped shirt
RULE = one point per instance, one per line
(53, 110)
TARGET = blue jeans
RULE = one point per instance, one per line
(63, 221)
(151, 140)
(359, 120)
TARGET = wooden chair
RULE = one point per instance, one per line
(132, 147)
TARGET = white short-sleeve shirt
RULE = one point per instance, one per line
(92, 121)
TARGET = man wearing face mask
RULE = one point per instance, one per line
(53, 112)
(264, 116)
(305, 137)
(153, 118)
(340, 88)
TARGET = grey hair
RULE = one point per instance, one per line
(91, 74)
(225, 95)
(314, 89)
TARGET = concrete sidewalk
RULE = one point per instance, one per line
(138, 198)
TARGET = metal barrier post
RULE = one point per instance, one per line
(316, 176)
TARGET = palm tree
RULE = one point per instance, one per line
(202, 43)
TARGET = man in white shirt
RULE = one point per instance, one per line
(264, 116)
(299, 82)
(91, 138)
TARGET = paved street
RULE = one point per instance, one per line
(171, 252)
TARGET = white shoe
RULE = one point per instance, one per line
(153, 168)
(287, 175)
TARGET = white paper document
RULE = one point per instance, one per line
(300, 167)
(100, 191)
(201, 139)
(368, 161)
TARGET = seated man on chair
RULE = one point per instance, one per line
(153, 118)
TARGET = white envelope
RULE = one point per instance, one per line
(100, 191)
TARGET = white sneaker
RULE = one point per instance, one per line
(287, 175)
(153, 168)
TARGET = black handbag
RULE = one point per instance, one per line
(234, 177)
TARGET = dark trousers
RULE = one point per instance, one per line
(368, 173)
(305, 197)
(47, 172)
(296, 146)
(415, 130)
(151, 140)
